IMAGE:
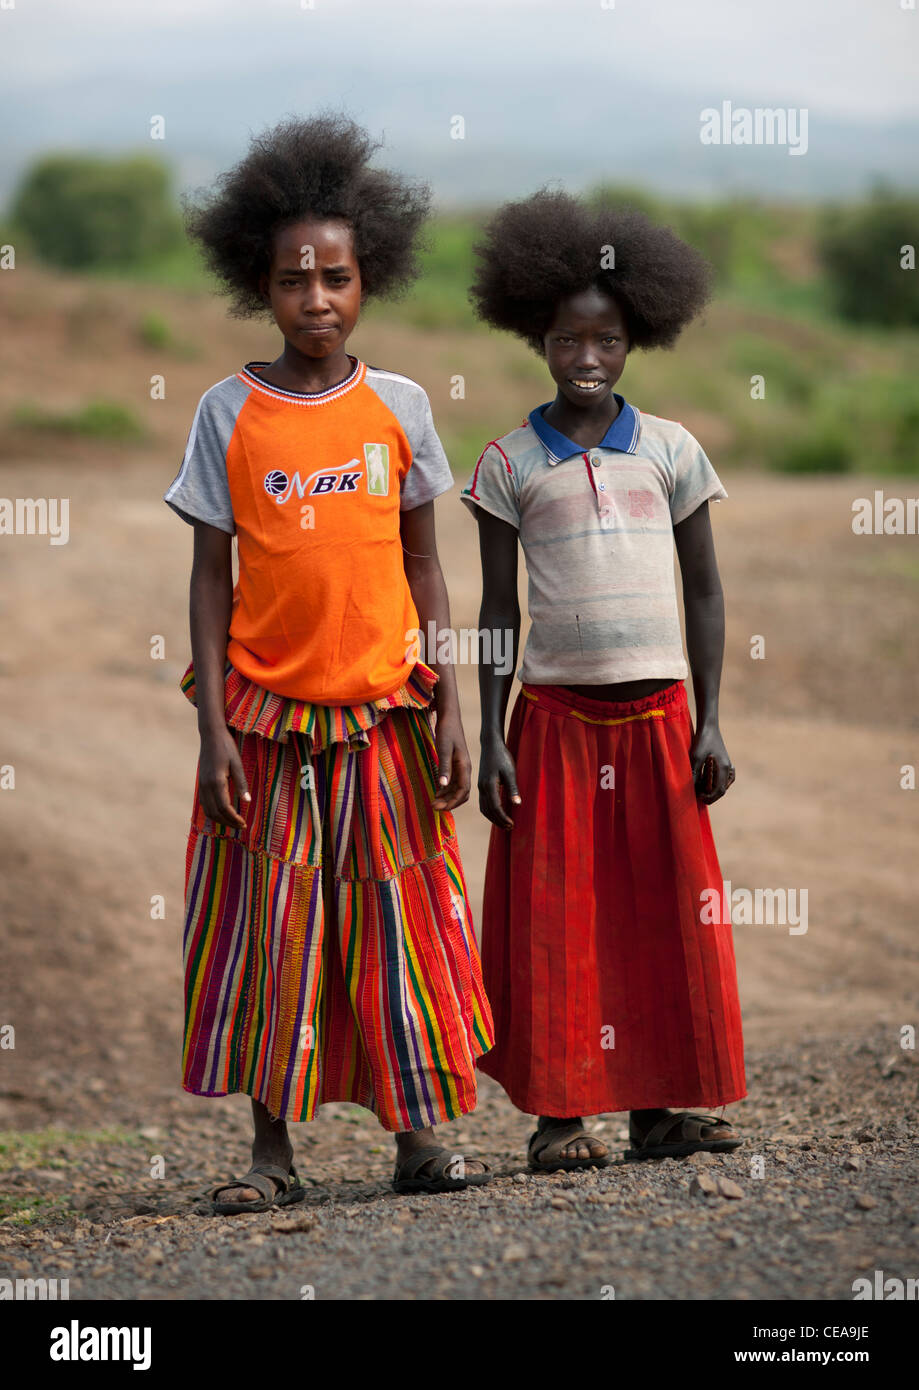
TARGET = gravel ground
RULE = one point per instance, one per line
(833, 1122)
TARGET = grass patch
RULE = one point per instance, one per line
(51, 1148)
(23, 1212)
(154, 331)
(895, 564)
(108, 421)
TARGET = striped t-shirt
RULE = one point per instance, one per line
(312, 485)
(596, 527)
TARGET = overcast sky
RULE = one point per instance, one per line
(566, 90)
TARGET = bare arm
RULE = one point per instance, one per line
(429, 592)
(703, 603)
(499, 613)
(210, 603)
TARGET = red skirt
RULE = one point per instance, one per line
(607, 989)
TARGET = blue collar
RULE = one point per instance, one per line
(622, 433)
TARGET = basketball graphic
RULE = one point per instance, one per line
(275, 482)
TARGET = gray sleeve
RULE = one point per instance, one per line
(493, 486)
(429, 474)
(695, 480)
(201, 491)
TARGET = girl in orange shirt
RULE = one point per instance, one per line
(328, 945)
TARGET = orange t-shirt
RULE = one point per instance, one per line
(312, 487)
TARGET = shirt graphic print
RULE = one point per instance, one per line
(312, 486)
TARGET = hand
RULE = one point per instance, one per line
(496, 768)
(454, 766)
(712, 769)
(218, 765)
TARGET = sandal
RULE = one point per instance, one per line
(690, 1127)
(552, 1140)
(277, 1188)
(407, 1177)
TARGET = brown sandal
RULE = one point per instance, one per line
(690, 1126)
(408, 1176)
(278, 1189)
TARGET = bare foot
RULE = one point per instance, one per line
(271, 1145)
(585, 1148)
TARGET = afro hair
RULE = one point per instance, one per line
(542, 249)
(299, 169)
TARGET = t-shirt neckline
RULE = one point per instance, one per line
(354, 377)
(621, 436)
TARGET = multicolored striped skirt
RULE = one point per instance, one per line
(328, 947)
(609, 990)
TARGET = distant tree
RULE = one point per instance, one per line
(861, 248)
(80, 211)
(711, 229)
(631, 195)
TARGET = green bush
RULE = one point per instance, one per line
(882, 414)
(867, 422)
(822, 448)
(714, 231)
(15, 236)
(154, 331)
(634, 196)
(860, 249)
(81, 212)
(786, 373)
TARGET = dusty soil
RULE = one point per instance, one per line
(834, 1199)
(103, 747)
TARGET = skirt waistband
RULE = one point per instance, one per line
(251, 709)
(558, 699)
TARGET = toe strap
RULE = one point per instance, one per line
(693, 1124)
(284, 1180)
(267, 1179)
(440, 1160)
(682, 1124)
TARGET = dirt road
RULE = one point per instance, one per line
(103, 747)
